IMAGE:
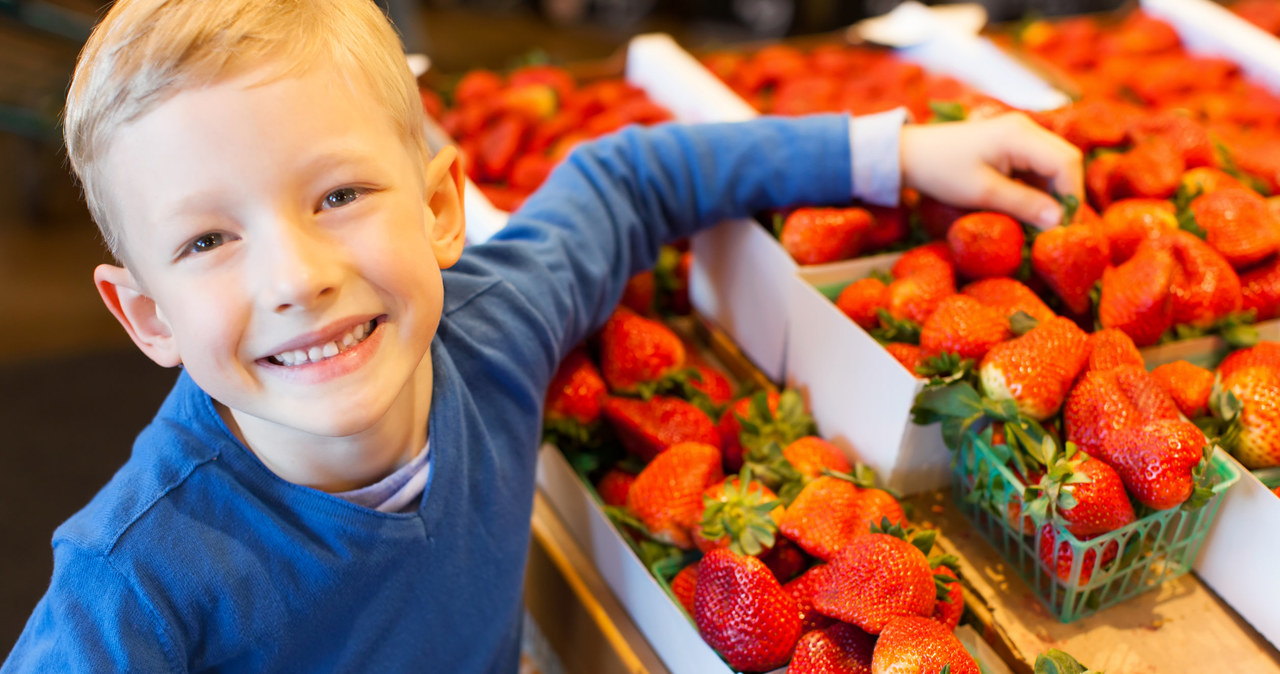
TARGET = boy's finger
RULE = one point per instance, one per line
(1022, 202)
(1036, 149)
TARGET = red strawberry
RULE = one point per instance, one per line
(862, 300)
(910, 355)
(1262, 353)
(1128, 222)
(530, 171)
(1206, 289)
(1104, 402)
(742, 611)
(1156, 461)
(1098, 180)
(1063, 559)
(931, 257)
(763, 419)
(647, 428)
(501, 144)
(635, 350)
(1009, 296)
(811, 454)
(801, 589)
(874, 579)
(638, 294)
(1136, 296)
(914, 644)
(936, 217)
(1151, 170)
(888, 226)
(730, 429)
(948, 612)
(1188, 138)
(1036, 369)
(576, 390)
(735, 516)
(1189, 385)
(986, 245)
(1071, 259)
(915, 297)
(1260, 289)
(1238, 225)
(1206, 179)
(964, 326)
(614, 486)
(1098, 502)
(831, 512)
(683, 586)
(1110, 348)
(818, 235)
(558, 79)
(785, 559)
(838, 649)
(477, 85)
(667, 494)
(1257, 387)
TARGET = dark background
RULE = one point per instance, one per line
(73, 390)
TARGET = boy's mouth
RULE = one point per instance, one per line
(316, 354)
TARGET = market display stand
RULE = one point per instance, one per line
(1180, 626)
(578, 615)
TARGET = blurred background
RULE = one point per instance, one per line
(73, 390)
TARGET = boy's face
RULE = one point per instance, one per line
(284, 245)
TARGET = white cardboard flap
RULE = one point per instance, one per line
(675, 79)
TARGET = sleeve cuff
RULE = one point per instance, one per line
(874, 143)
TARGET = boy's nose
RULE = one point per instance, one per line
(299, 270)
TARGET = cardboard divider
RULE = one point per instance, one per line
(1209, 28)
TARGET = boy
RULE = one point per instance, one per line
(342, 476)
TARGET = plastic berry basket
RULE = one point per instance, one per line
(1156, 547)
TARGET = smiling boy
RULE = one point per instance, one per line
(342, 476)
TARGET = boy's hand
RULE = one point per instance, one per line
(967, 164)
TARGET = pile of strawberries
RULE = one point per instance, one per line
(1244, 401)
(783, 79)
(513, 128)
(803, 560)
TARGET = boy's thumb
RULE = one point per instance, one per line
(1022, 202)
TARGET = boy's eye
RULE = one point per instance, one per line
(206, 243)
(341, 197)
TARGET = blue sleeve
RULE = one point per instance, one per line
(91, 620)
(605, 211)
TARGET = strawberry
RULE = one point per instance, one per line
(713, 383)
(888, 226)
(785, 559)
(1059, 555)
(501, 144)
(936, 217)
(1256, 442)
(862, 301)
(986, 245)
(1238, 225)
(1136, 296)
(576, 390)
(1206, 179)
(530, 170)
(1084, 494)
(667, 494)
(1008, 296)
(636, 351)
(647, 428)
(765, 423)
(1110, 348)
(909, 355)
(1151, 170)
(948, 611)
(1188, 138)
(1189, 385)
(743, 613)
(914, 298)
(1262, 353)
(811, 454)
(1105, 402)
(614, 486)
(818, 235)
(638, 294)
(874, 579)
(964, 326)
(1128, 222)
(915, 644)
(683, 586)
(1260, 289)
(1156, 461)
(931, 257)
(730, 428)
(801, 589)
(1071, 259)
(740, 514)
(830, 512)
(837, 649)
(1206, 289)
(477, 85)
(554, 77)
(1098, 179)
(1036, 369)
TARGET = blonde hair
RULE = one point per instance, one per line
(145, 51)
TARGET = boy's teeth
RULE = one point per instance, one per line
(316, 354)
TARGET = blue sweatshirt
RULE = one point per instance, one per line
(196, 557)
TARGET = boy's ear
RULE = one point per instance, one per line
(138, 313)
(445, 183)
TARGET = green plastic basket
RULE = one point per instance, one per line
(1156, 547)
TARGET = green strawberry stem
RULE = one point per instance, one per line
(1054, 661)
(742, 515)
(896, 329)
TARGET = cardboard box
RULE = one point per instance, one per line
(1238, 559)
(1209, 28)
